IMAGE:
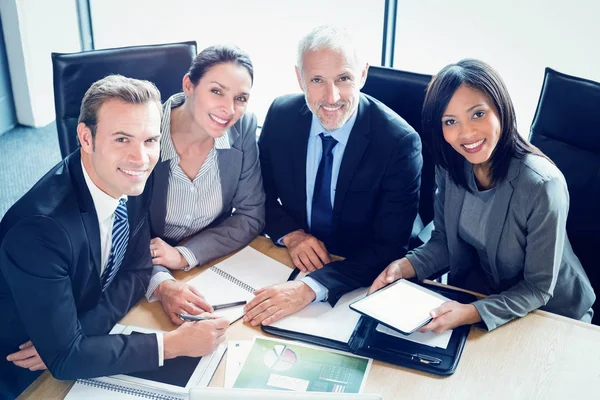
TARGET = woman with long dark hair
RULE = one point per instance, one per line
(500, 210)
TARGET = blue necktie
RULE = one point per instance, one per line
(322, 211)
(120, 237)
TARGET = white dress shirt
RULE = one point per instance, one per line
(314, 153)
(105, 206)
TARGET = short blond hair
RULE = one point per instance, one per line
(129, 90)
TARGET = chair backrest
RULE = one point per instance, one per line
(566, 129)
(163, 64)
(404, 92)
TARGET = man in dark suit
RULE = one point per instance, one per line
(74, 251)
(341, 174)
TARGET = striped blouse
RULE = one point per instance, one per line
(191, 204)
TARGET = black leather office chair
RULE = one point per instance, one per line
(404, 92)
(566, 129)
(74, 73)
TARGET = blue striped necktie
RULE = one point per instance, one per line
(321, 222)
(120, 237)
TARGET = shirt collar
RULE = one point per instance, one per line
(167, 149)
(104, 204)
(341, 135)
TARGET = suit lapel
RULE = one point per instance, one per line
(86, 208)
(355, 148)
(158, 207)
(453, 201)
(230, 166)
(499, 213)
(299, 150)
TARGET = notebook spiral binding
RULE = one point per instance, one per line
(126, 390)
(233, 279)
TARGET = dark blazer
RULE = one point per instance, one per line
(50, 284)
(377, 191)
(242, 190)
(531, 260)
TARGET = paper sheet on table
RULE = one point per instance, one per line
(278, 364)
(237, 351)
(320, 319)
(428, 338)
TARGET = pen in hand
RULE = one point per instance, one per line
(228, 305)
(193, 318)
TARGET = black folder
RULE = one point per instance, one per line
(368, 342)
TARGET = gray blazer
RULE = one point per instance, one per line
(531, 260)
(243, 215)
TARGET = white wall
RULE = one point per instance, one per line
(268, 30)
(519, 38)
(32, 30)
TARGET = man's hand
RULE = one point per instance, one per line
(180, 298)
(275, 302)
(195, 339)
(164, 254)
(401, 268)
(307, 252)
(27, 357)
(450, 315)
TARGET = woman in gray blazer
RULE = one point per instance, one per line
(500, 210)
(208, 197)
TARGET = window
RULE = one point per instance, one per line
(518, 38)
(268, 30)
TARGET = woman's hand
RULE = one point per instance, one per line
(164, 254)
(450, 315)
(401, 268)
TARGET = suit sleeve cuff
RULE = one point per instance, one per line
(280, 240)
(161, 349)
(420, 274)
(321, 291)
(156, 280)
(189, 257)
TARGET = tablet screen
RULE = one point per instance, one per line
(403, 305)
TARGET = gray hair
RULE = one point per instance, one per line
(327, 37)
(129, 90)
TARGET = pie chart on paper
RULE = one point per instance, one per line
(280, 358)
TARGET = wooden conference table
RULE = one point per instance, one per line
(540, 356)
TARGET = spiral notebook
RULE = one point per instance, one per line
(236, 279)
(172, 381)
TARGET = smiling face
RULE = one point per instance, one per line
(125, 148)
(219, 99)
(331, 84)
(471, 125)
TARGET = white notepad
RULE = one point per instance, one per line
(236, 279)
(403, 305)
(429, 338)
(339, 322)
(322, 320)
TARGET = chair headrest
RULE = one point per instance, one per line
(568, 111)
